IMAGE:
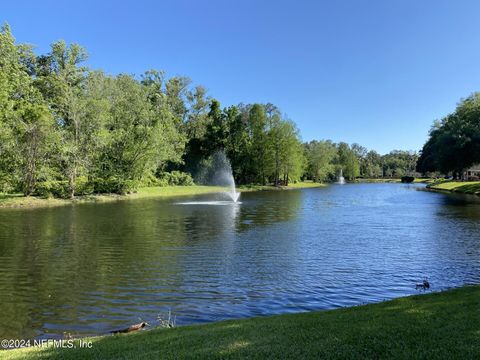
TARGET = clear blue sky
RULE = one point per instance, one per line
(373, 72)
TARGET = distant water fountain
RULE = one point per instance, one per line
(217, 171)
(341, 179)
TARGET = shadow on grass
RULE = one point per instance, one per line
(442, 325)
(468, 189)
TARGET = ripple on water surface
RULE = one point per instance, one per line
(91, 268)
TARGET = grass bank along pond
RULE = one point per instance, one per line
(21, 201)
(91, 268)
(435, 326)
(461, 187)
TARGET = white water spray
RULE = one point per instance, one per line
(341, 179)
(234, 195)
(217, 171)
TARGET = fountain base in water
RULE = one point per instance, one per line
(208, 203)
(234, 195)
(218, 171)
(341, 179)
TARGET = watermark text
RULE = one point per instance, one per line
(55, 343)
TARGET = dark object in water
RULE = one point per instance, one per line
(130, 328)
(424, 285)
(407, 179)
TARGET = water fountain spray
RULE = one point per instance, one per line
(341, 179)
(218, 171)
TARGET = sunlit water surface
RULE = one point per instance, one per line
(91, 268)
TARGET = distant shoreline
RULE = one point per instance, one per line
(12, 201)
(390, 180)
(15, 201)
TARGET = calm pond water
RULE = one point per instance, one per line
(92, 268)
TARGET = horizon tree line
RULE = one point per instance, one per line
(68, 130)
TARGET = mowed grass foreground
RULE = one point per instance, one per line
(442, 325)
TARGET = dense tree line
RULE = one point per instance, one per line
(67, 130)
(263, 146)
(454, 141)
(325, 159)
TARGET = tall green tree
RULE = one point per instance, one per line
(260, 150)
(217, 129)
(321, 157)
(60, 77)
(26, 126)
(239, 144)
(141, 134)
(12, 75)
(348, 161)
(373, 165)
(454, 142)
(291, 154)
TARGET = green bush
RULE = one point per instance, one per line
(83, 186)
(149, 180)
(175, 178)
(6, 186)
(101, 185)
(161, 182)
(61, 189)
(52, 188)
(114, 185)
(129, 186)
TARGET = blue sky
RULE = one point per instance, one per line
(373, 72)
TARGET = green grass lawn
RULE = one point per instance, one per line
(305, 184)
(376, 180)
(442, 325)
(393, 180)
(298, 185)
(464, 187)
(168, 191)
(20, 201)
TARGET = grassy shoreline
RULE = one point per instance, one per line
(20, 201)
(461, 187)
(434, 326)
(390, 180)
